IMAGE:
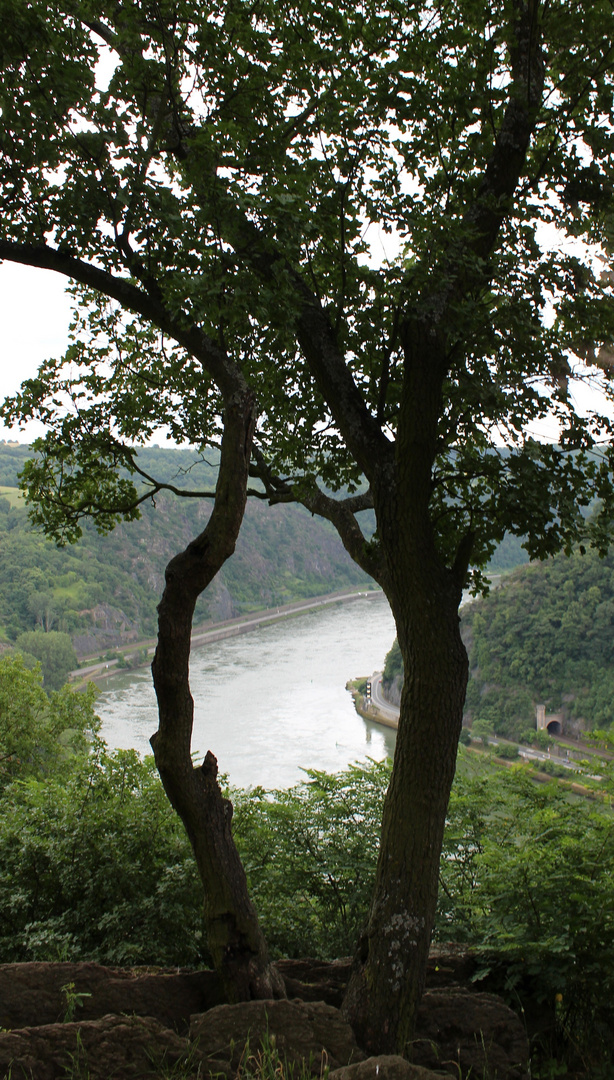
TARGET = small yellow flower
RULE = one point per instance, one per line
(558, 998)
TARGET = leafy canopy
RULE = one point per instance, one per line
(55, 652)
(252, 185)
(545, 637)
(40, 734)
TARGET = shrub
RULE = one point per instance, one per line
(527, 875)
(310, 855)
(97, 868)
(40, 734)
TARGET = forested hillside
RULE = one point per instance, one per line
(103, 590)
(546, 636)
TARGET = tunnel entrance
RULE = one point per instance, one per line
(552, 723)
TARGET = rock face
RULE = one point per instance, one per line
(114, 1047)
(109, 628)
(316, 980)
(35, 993)
(385, 1067)
(319, 980)
(467, 1033)
(221, 1040)
(179, 1021)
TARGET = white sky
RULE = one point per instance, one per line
(34, 318)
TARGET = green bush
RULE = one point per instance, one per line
(310, 855)
(40, 733)
(507, 751)
(482, 729)
(528, 877)
(55, 653)
(393, 665)
(97, 868)
(94, 865)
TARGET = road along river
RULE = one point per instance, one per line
(271, 702)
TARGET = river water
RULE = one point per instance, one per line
(271, 702)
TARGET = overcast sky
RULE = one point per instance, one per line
(34, 318)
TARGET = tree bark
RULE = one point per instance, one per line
(234, 937)
(389, 969)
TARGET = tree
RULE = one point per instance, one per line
(210, 175)
(55, 652)
(39, 734)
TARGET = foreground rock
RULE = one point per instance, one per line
(223, 1042)
(36, 992)
(57, 1011)
(112, 1048)
(385, 1067)
(46, 993)
(320, 980)
(316, 980)
(470, 1034)
(301, 1031)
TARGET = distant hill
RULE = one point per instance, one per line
(103, 591)
(546, 636)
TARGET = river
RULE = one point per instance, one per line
(271, 702)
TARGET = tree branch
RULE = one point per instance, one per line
(340, 512)
(504, 168)
(314, 331)
(226, 374)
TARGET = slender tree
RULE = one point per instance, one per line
(357, 247)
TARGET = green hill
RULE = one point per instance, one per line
(103, 591)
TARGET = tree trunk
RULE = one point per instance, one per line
(234, 937)
(389, 969)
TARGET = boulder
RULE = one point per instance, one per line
(450, 964)
(467, 1033)
(316, 980)
(34, 994)
(114, 1047)
(384, 1067)
(310, 1031)
(460, 1032)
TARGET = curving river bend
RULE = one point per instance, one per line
(271, 702)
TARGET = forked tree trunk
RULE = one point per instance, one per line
(234, 937)
(389, 969)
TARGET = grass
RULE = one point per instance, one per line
(266, 1063)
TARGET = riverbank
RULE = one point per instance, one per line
(137, 654)
(496, 750)
(368, 708)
